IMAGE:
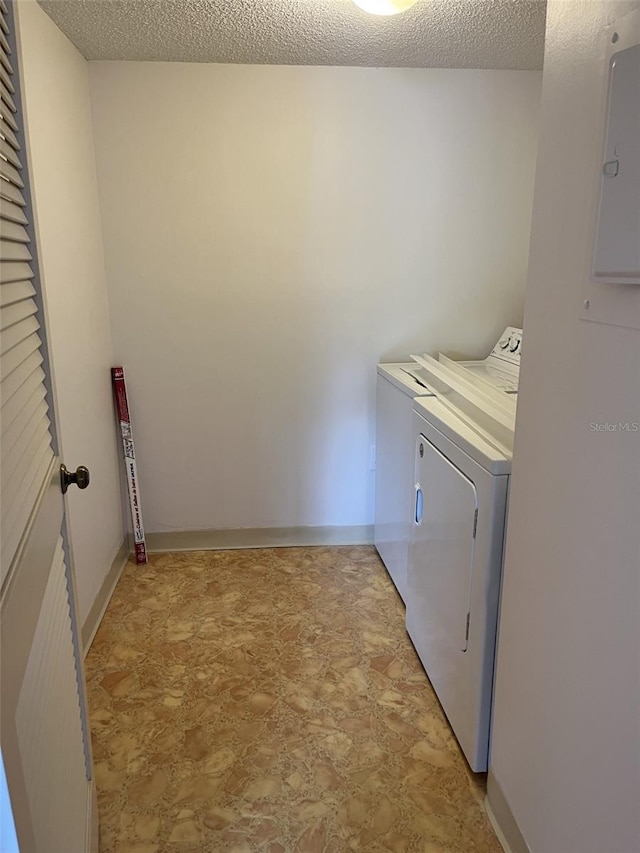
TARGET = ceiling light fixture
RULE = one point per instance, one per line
(385, 7)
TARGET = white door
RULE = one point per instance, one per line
(442, 555)
(44, 734)
(440, 570)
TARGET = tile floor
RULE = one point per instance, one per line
(270, 700)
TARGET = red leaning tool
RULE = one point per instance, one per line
(122, 408)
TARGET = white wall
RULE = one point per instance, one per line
(566, 730)
(273, 232)
(58, 115)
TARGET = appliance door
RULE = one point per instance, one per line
(455, 561)
(442, 561)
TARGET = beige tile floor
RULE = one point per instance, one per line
(270, 700)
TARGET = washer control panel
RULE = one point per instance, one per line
(509, 347)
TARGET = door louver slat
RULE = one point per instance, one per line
(16, 355)
(15, 251)
(12, 231)
(16, 333)
(10, 173)
(5, 45)
(12, 193)
(7, 133)
(4, 76)
(15, 292)
(13, 314)
(7, 112)
(12, 212)
(14, 272)
(9, 152)
(4, 59)
(5, 94)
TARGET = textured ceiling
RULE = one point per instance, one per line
(433, 34)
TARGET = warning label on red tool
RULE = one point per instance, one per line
(126, 433)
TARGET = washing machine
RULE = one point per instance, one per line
(463, 443)
(397, 386)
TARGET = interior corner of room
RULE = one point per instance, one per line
(250, 239)
(250, 260)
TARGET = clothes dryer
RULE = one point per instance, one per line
(455, 566)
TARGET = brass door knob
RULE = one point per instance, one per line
(80, 478)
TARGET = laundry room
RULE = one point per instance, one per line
(253, 207)
(270, 234)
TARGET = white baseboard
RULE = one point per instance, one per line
(259, 537)
(94, 617)
(93, 829)
(502, 819)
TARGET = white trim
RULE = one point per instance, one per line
(496, 826)
(93, 841)
(97, 611)
(501, 818)
(259, 537)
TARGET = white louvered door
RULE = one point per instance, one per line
(44, 734)
(27, 451)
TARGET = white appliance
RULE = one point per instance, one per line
(502, 367)
(463, 444)
(397, 386)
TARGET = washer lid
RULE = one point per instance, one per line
(491, 412)
(491, 370)
(469, 437)
(501, 368)
(408, 377)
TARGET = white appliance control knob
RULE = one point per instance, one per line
(514, 344)
(504, 343)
